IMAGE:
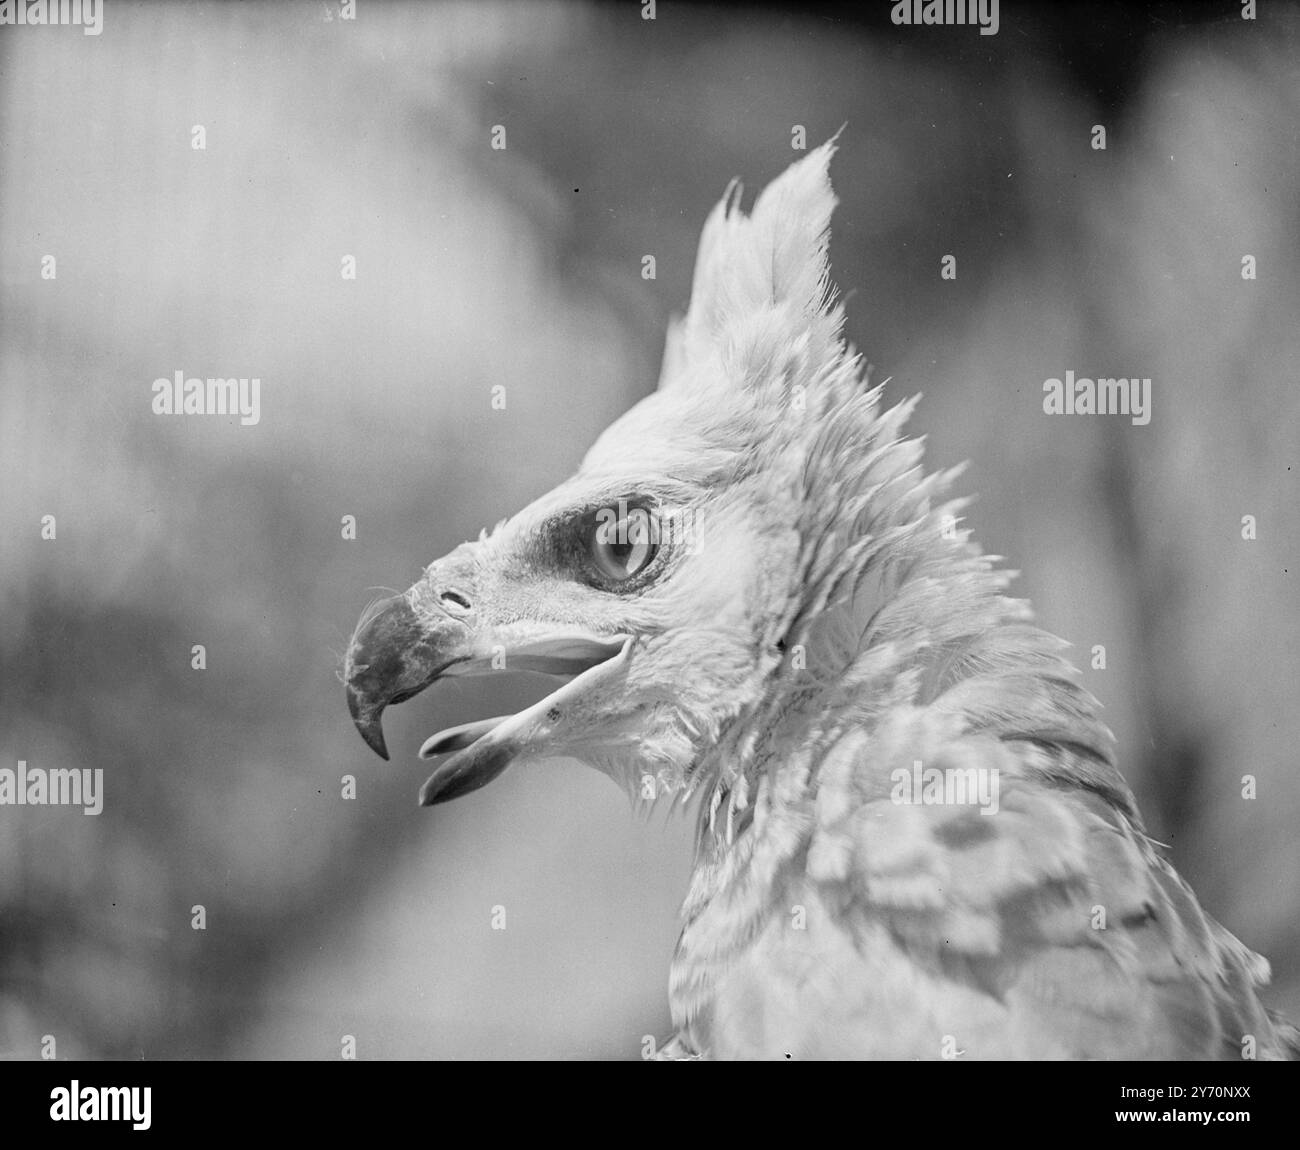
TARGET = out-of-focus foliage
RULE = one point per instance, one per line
(522, 268)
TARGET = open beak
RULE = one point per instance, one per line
(397, 651)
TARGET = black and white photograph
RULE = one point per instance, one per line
(645, 531)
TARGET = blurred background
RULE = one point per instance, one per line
(371, 138)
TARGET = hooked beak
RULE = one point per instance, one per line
(396, 652)
(393, 656)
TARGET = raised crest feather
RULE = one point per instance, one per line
(765, 272)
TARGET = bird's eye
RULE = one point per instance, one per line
(623, 542)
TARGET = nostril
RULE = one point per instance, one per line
(455, 601)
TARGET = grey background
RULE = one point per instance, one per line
(522, 267)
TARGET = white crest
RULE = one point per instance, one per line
(762, 281)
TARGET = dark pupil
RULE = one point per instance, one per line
(621, 550)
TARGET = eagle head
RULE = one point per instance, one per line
(714, 525)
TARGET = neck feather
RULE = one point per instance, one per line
(893, 607)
